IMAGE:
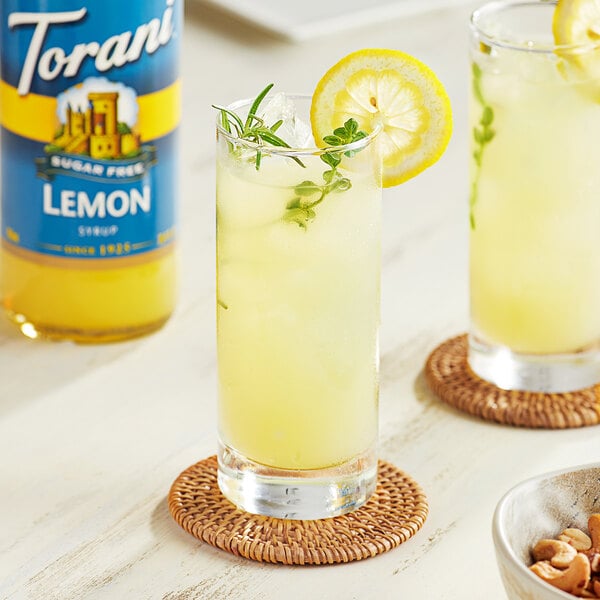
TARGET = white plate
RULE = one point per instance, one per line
(302, 19)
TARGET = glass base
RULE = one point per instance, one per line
(289, 494)
(554, 373)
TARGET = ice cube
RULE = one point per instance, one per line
(293, 130)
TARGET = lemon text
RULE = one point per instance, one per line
(77, 204)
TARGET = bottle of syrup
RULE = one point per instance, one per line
(89, 110)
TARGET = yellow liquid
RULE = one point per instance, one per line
(535, 249)
(297, 316)
(91, 305)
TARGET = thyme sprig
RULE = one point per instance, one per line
(309, 194)
(253, 129)
(483, 134)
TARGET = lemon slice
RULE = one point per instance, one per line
(396, 91)
(577, 23)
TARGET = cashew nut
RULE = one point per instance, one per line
(594, 560)
(594, 527)
(573, 580)
(596, 587)
(577, 538)
(560, 554)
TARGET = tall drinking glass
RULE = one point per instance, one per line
(298, 270)
(535, 203)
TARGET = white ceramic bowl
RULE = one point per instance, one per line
(537, 508)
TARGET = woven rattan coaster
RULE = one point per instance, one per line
(450, 377)
(395, 512)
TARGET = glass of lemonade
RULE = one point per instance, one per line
(298, 274)
(535, 203)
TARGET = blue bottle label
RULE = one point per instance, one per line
(89, 98)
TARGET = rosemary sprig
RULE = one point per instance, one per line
(308, 194)
(253, 129)
(483, 134)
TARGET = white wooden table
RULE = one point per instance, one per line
(91, 437)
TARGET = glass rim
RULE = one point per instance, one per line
(496, 6)
(292, 151)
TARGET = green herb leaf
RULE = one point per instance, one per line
(482, 135)
(488, 135)
(276, 126)
(341, 185)
(301, 216)
(256, 104)
(307, 188)
(477, 84)
(487, 117)
(225, 122)
(333, 160)
(268, 136)
(225, 114)
(332, 140)
(351, 127)
(328, 175)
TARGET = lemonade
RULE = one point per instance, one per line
(297, 314)
(298, 269)
(535, 208)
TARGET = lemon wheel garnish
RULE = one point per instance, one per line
(394, 90)
(576, 24)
